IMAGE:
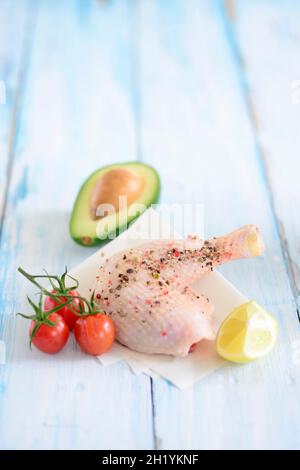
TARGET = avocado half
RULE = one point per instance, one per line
(88, 231)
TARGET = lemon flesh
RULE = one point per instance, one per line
(248, 333)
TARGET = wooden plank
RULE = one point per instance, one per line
(271, 63)
(77, 115)
(14, 39)
(196, 129)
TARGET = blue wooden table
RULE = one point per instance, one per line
(209, 93)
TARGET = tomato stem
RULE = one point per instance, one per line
(59, 285)
(41, 316)
(90, 305)
(60, 292)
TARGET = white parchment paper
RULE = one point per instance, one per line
(182, 372)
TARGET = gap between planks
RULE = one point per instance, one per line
(133, 21)
(228, 15)
(29, 30)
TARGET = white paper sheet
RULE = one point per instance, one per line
(182, 372)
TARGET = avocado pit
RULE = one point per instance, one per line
(111, 189)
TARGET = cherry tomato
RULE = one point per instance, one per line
(66, 312)
(95, 333)
(50, 339)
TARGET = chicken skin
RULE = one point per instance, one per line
(147, 290)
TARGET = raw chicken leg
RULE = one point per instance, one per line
(147, 290)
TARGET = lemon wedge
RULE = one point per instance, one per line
(248, 333)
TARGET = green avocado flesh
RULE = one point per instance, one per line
(89, 232)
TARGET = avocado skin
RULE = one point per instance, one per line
(93, 240)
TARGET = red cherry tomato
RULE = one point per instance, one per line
(66, 312)
(95, 333)
(50, 339)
